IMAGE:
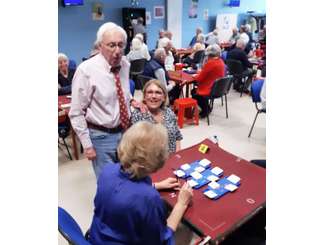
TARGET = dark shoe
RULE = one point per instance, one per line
(203, 114)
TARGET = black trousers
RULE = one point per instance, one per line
(202, 101)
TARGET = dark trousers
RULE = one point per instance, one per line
(202, 102)
(174, 94)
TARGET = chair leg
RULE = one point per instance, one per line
(253, 123)
(222, 100)
(225, 105)
(242, 88)
(67, 148)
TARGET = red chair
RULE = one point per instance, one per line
(184, 106)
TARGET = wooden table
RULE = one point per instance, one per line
(218, 218)
(65, 99)
(182, 78)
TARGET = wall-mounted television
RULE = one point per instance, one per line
(72, 2)
(233, 3)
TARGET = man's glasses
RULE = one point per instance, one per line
(113, 46)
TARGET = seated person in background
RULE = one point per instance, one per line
(212, 37)
(128, 209)
(155, 97)
(173, 50)
(235, 36)
(239, 54)
(155, 68)
(194, 57)
(136, 51)
(194, 39)
(201, 40)
(161, 35)
(144, 46)
(169, 60)
(212, 70)
(65, 75)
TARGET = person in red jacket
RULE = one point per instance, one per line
(213, 69)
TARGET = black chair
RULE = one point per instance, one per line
(63, 131)
(136, 68)
(142, 80)
(219, 89)
(235, 69)
(255, 92)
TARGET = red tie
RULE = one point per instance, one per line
(124, 118)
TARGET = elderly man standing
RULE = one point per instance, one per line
(101, 98)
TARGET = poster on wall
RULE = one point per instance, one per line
(193, 9)
(225, 23)
(205, 14)
(159, 12)
(148, 17)
(97, 11)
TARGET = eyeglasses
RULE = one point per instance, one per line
(152, 92)
(113, 46)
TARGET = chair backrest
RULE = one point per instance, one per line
(69, 228)
(137, 66)
(256, 87)
(235, 67)
(132, 86)
(143, 79)
(199, 56)
(72, 64)
(221, 87)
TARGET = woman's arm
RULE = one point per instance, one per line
(184, 198)
(178, 145)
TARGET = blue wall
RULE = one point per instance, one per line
(77, 31)
(214, 7)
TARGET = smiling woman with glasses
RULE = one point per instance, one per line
(155, 96)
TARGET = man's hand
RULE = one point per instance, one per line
(139, 105)
(90, 153)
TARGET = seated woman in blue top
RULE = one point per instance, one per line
(128, 209)
(65, 75)
(155, 97)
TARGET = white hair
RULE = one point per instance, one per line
(158, 52)
(163, 42)
(244, 37)
(248, 27)
(213, 50)
(240, 43)
(200, 38)
(140, 37)
(109, 27)
(62, 56)
(136, 44)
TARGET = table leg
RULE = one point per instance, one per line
(187, 90)
(74, 145)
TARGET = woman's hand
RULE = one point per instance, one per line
(169, 183)
(185, 195)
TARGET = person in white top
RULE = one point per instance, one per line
(144, 46)
(95, 107)
(169, 60)
(136, 51)
(212, 37)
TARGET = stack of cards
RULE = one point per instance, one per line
(217, 189)
(185, 170)
(200, 179)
